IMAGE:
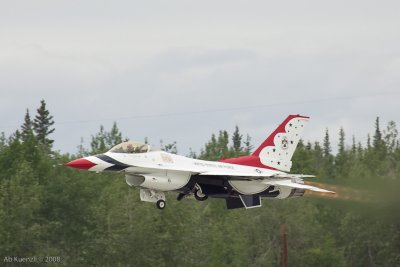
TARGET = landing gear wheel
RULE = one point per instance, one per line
(199, 195)
(160, 204)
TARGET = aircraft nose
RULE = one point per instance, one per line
(82, 164)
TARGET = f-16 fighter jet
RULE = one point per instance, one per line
(241, 181)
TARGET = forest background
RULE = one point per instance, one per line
(91, 219)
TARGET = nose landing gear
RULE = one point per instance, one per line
(157, 197)
(160, 204)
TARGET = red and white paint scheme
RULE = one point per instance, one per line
(241, 181)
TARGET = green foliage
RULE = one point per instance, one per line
(218, 147)
(171, 147)
(103, 141)
(42, 125)
(97, 220)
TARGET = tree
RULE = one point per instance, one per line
(2, 140)
(327, 144)
(247, 145)
(104, 140)
(237, 140)
(42, 126)
(27, 127)
(98, 143)
(390, 137)
(377, 142)
(114, 137)
(170, 148)
(341, 156)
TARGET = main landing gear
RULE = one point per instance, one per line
(198, 193)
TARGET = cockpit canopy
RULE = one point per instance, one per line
(130, 147)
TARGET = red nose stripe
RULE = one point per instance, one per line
(83, 164)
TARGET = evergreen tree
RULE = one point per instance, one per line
(341, 145)
(360, 150)
(327, 144)
(378, 135)
(353, 146)
(104, 140)
(98, 143)
(42, 125)
(3, 140)
(247, 145)
(27, 127)
(237, 140)
(378, 142)
(114, 137)
(390, 137)
(222, 144)
(341, 156)
(170, 148)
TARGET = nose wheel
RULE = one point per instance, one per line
(160, 204)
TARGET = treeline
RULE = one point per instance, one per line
(91, 219)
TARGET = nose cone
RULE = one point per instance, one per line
(82, 164)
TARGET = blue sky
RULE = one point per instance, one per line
(181, 70)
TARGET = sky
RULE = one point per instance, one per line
(182, 70)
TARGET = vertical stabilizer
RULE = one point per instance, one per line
(277, 150)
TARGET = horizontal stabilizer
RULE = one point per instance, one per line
(289, 183)
(295, 176)
(250, 174)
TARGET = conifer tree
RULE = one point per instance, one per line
(353, 145)
(237, 140)
(327, 144)
(377, 142)
(247, 145)
(390, 136)
(368, 142)
(2, 140)
(42, 125)
(341, 157)
(378, 135)
(98, 143)
(223, 140)
(27, 127)
(114, 137)
(341, 146)
(328, 168)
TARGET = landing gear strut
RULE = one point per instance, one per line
(180, 196)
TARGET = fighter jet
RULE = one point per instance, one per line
(241, 181)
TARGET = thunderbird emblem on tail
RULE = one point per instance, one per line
(241, 181)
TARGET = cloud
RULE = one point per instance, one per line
(222, 63)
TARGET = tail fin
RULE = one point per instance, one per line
(277, 150)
